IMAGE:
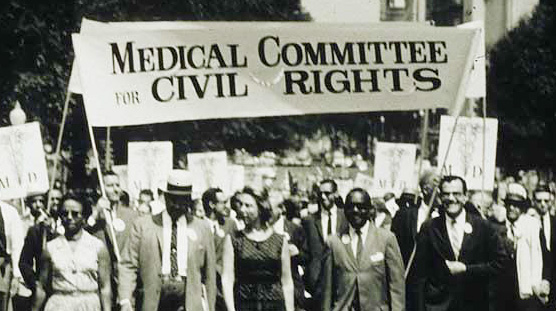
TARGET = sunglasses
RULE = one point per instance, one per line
(74, 214)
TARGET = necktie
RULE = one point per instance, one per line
(454, 238)
(355, 304)
(542, 237)
(513, 238)
(329, 229)
(174, 250)
(359, 243)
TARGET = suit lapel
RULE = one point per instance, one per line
(157, 219)
(441, 240)
(413, 217)
(369, 242)
(341, 222)
(345, 237)
(318, 224)
(468, 239)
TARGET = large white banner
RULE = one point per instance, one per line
(148, 166)
(230, 70)
(465, 157)
(22, 161)
(394, 167)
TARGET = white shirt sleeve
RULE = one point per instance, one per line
(14, 235)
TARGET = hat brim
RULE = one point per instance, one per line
(176, 192)
(515, 197)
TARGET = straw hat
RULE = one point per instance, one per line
(179, 183)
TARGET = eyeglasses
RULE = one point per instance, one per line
(74, 214)
(455, 194)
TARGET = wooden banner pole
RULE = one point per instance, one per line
(434, 194)
(57, 155)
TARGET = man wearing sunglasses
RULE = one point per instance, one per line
(542, 200)
(520, 287)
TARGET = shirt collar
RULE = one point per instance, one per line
(168, 219)
(460, 219)
(332, 211)
(363, 229)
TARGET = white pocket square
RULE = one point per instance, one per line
(377, 257)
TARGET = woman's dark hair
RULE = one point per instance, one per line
(265, 210)
(293, 208)
(80, 197)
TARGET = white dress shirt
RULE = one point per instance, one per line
(422, 214)
(324, 221)
(456, 228)
(279, 225)
(354, 238)
(182, 244)
(13, 229)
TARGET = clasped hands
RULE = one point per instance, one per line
(542, 290)
(455, 267)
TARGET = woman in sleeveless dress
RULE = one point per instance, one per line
(256, 262)
(75, 272)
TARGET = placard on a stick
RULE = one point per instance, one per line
(22, 161)
(394, 167)
(208, 169)
(149, 164)
(465, 157)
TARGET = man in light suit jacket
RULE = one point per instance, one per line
(458, 255)
(169, 257)
(520, 287)
(328, 220)
(364, 271)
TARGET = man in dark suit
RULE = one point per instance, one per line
(542, 200)
(111, 222)
(409, 219)
(169, 259)
(327, 221)
(35, 241)
(458, 255)
(297, 245)
(365, 271)
(217, 216)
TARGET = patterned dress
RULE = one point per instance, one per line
(258, 270)
(74, 274)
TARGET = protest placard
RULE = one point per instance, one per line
(121, 171)
(149, 164)
(269, 69)
(208, 169)
(237, 178)
(466, 153)
(22, 161)
(344, 187)
(363, 181)
(394, 167)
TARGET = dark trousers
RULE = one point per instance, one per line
(532, 304)
(18, 303)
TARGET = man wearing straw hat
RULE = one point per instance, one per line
(169, 260)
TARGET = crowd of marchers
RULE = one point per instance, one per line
(436, 248)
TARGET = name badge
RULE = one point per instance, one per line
(377, 257)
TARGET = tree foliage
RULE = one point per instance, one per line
(522, 91)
